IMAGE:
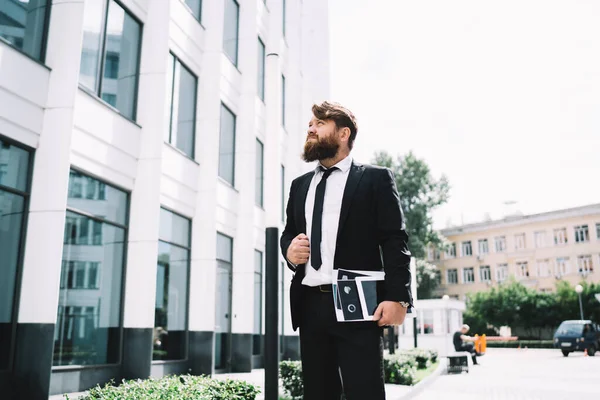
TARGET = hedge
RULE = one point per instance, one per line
(399, 368)
(184, 387)
(530, 344)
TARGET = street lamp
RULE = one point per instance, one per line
(445, 299)
(579, 290)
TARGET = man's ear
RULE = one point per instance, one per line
(345, 133)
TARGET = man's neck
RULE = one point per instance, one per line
(330, 162)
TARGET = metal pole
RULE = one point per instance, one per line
(415, 330)
(272, 315)
(580, 307)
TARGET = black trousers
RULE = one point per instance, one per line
(469, 348)
(339, 356)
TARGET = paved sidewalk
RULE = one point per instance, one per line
(533, 374)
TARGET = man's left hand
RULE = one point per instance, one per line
(389, 313)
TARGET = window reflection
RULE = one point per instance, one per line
(170, 315)
(14, 173)
(23, 24)
(88, 328)
(111, 41)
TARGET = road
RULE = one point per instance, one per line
(521, 375)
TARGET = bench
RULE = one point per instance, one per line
(459, 362)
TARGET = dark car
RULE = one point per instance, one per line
(577, 335)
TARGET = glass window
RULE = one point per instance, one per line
(111, 42)
(585, 265)
(500, 242)
(14, 163)
(261, 70)
(451, 251)
(483, 246)
(195, 7)
(598, 231)
(174, 228)
(452, 277)
(540, 239)
(582, 234)
(260, 160)
(258, 302)
(523, 269)
(23, 25)
(469, 275)
(562, 267)
(181, 106)
(485, 274)
(227, 146)
(501, 272)
(560, 236)
(543, 268)
(109, 204)
(467, 249)
(231, 30)
(88, 328)
(283, 90)
(520, 241)
(170, 314)
(223, 301)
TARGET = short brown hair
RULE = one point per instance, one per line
(339, 114)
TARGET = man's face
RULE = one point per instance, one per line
(464, 331)
(322, 140)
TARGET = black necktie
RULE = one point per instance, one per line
(317, 218)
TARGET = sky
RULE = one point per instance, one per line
(501, 97)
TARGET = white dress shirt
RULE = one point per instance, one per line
(332, 206)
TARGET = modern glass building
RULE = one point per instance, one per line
(145, 146)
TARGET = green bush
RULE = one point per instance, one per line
(530, 344)
(399, 369)
(290, 373)
(423, 357)
(185, 387)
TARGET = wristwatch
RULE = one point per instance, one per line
(404, 304)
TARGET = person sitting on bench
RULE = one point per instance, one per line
(459, 340)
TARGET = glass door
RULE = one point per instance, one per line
(223, 318)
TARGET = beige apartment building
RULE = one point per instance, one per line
(537, 250)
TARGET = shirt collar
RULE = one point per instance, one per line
(343, 165)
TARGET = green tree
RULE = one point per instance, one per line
(420, 193)
(513, 304)
(428, 279)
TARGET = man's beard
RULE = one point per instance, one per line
(321, 149)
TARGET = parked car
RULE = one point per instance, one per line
(577, 335)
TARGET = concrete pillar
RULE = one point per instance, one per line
(47, 208)
(204, 233)
(144, 217)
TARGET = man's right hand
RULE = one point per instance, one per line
(299, 250)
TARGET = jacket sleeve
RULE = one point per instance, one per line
(290, 231)
(393, 240)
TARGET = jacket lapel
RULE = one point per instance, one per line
(301, 207)
(354, 176)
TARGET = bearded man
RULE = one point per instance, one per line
(343, 215)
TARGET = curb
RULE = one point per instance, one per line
(419, 387)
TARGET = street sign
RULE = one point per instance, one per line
(597, 296)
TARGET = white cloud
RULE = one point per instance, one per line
(503, 97)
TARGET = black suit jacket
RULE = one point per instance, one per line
(371, 233)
